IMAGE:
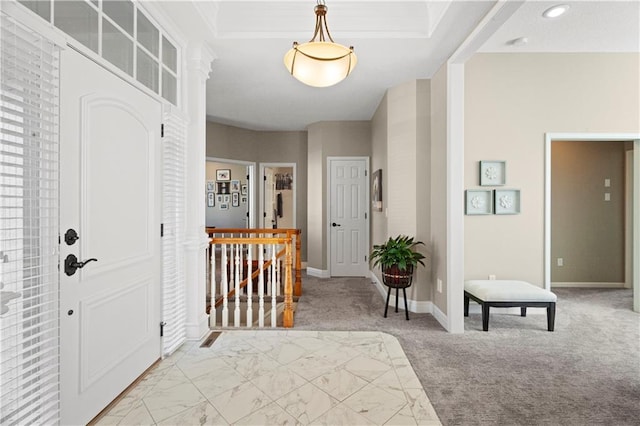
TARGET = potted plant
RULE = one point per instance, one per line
(397, 258)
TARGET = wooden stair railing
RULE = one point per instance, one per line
(244, 245)
(288, 232)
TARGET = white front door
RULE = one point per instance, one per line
(110, 195)
(348, 217)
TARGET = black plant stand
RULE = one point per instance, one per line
(392, 277)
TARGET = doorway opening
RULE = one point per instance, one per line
(278, 198)
(591, 211)
(229, 194)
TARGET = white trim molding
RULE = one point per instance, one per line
(586, 285)
(318, 273)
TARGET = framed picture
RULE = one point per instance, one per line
(219, 198)
(226, 198)
(243, 199)
(223, 174)
(223, 187)
(210, 185)
(376, 191)
(235, 199)
(235, 186)
(493, 173)
(211, 200)
(243, 189)
(506, 201)
(224, 206)
(478, 202)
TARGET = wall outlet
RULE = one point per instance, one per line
(560, 261)
(607, 196)
(607, 183)
(439, 285)
(492, 277)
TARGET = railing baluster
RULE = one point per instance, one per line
(236, 312)
(249, 286)
(212, 286)
(224, 265)
(261, 285)
(273, 285)
(278, 277)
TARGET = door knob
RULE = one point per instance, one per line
(335, 224)
(71, 264)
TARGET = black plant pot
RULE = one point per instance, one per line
(393, 276)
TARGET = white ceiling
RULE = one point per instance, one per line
(395, 41)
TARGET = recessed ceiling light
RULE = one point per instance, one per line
(555, 11)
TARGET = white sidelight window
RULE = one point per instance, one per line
(29, 317)
(174, 307)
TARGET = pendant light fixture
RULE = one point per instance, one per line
(320, 63)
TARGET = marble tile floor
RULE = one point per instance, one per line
(280, 377)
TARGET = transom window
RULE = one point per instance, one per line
(121, 33)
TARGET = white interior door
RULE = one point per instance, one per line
(269, 198)
(110, 194)
(348, 217)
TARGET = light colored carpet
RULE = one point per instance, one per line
(587, 372)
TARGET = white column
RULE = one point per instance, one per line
(198, 65)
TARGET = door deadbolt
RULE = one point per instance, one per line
(71, 236)
(71, 264)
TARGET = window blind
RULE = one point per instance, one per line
(173, 201)
(29, 319)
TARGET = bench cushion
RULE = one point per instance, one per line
(508, 291)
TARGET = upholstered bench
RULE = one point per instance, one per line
(509, 294)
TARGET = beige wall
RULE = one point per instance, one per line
(511, 100)
(234, 143)
(438, 170)
(328, 139)
(379, 161)
(587, 232)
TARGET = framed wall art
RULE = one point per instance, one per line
(211, 200)
(243, 189)
(223, 187)
(235, 199)
(478, 201)
(235, 186)
(210, 185)
(506, 201)
(376, 191)
(223, 174)
(493, 173)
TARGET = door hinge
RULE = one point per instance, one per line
(162, 324)
(365, 257)
(264, 178)
(264, 214)
(365, 215)
(366, 173)
(162, 230)
(162, 130)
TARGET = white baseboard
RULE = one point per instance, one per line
(319, 273)
(440, 316)
(588, 285)
(416, 306)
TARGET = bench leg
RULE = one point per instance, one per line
(523, 311)
(466, 305)
(551, 316)
(485, 317)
